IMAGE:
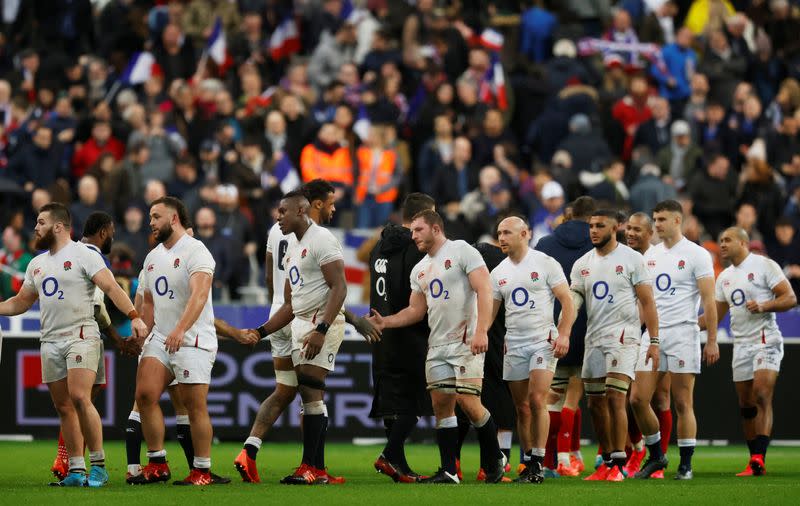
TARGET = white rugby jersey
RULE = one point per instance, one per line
(675, 272)
(607, 284)
(526, 290)
(452, 303)
(278, 244)
(166, 277)
(302, 265)
(66, 291)
(753, 279)
(99, 295)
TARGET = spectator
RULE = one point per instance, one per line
(135, 234)
(162, 149)
(658, 26)
(650, 189)
(435, 153)
(493, 133)
(379, 176)
(785, 250)
(713, 192)
(674, 77)
(200, 15)
(715, 136)
(331, 55)
(88, 202)
(680, 160)
(654, 133)
(783, 144)
(695, 109)
(757, 186)
(723, 68)
(326, 159)
(480, 207)
(564, 67)
(14, 260)
(453, 181)
(237, 232)
(746, 219)
(622, 31)
(612, 190)
(277, 142)
(175, 55)
(536, 33)
(586, 147)
(706, 16)
(39, 164)
(187, 183)
(631, 111)
(205, 221)
(545, 218)
(102, 141)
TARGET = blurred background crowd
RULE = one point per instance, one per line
(486, 105)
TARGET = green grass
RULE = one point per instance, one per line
(24, 474)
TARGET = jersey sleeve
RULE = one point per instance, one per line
(92, 262)
(140, 287)
(495, 276)
(704, 266)
(577, 279)
(773, 275)
(471, 259)
(200, 260)
(639, 272)
(719, 294)
(327, 249)
(415, 286)
(28, 282)
(555, 274)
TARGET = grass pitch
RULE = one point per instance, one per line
(24, 474)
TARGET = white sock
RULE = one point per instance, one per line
(97, 458)
(577, 454)
(252, 440)
(686, 442)
(652, 438)
(563, 458)
(504, 440)
(135, 416)
(77, 464)
(447, 423)
(202, 463)
(134, 469)
(639, 446)
(538, 452)
(156, 454)
(182, 420)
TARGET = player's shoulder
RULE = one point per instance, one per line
(628, 253)
(694, 249)
(459, 245)
(318, 232)
(502, 267)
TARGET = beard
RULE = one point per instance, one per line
(164, 233)
(105, 248)
(46, 241)
(602, 243)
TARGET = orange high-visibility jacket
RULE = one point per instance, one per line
(336, 167)
(383, 177)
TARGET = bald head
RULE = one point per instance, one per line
(734, 245)
(639, 231)
(739, 233)
(513, 234)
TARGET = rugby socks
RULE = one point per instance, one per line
(184, 433)
(537, 455)
(686, 448)
(607, 459)
(564, 436)
(618, 459)
(97, 458)
(575, 439)
(133, 442)
(463, 429)
(319, 459)
(77, 465)
(634, 433)
(552, 439)
(504, 442)
(487, 437)
(251, 445)
(665, 427)
(750, 444)
(760, 445)
(202, 464)
(157, 456)
(313, 427)
(395, 451)
(653, 442)
(62, 447)
(447, 439)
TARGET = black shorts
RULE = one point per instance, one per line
(400, 393)
(496, 397)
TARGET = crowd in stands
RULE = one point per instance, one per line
(485, 105)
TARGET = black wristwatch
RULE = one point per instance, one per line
(322, 328)
(262, 332)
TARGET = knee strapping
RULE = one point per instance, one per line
(468, 389)
(617, 385)
(310, 382)
(749, 412)
(444, 387)
(559, 383)
(314, 408)
(288, 378)
(594, 389)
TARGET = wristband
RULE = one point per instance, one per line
(133, 314)
(322, 328)
(655, 341)
(261, 332)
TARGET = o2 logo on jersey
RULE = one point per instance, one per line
(294, 276)
(738, 297)
(600, 291)
(664, 283)
(50, 288)
(162, 287)
(380, 282)
(282, 247)
(520, 297)
(437, 289)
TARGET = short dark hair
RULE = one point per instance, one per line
(58, 212)
(430, 217)
(784, 221)
(317, 189)
(607, 213)
(176, 205)
(415, 203)
(96, 222)
(583, 207)
(670, 205)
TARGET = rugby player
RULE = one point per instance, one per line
(525, 284)
(610, 279)
(451, 285)
(753, 288)
(684, 278)
(63, 278)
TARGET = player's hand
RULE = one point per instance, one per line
(139, 328)
(174, 340)
(130, 347)
(652, 356)
(312, 344)
(367, 329)
(561, 346)
(711, 352)
(247, 337)
(480, 343)
(376, 320)
(754, 307)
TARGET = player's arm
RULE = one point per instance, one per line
(333, 272)
(568, 313)
(19, 303)
(106, 282)
(644, 292)
(480, 281)
(414, 313)
(722, 310)
(268, 275)
(282, 316)
(496, 305)
(362, 326)
(784, 300)
(225, 330)
(199, 288)
(706, 288)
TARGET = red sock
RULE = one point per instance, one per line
(62, 448)
(575, 443)
(633, 431)
(565, 431)
(552, 439)
(665, 426)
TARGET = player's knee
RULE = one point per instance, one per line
(661, 400)
(146, 397)
(523, 409)
(284, 394)
(683, 406)
(80, 399)
(762, 396)
(306, 381)
(595, 392)
(638, 399)
(537, 400)
(64, 407)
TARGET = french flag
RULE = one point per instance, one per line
(140, 69)
(217, 47)
(285, 40)
(286, 174)
(491, 40)
(499, 83)
(362, 123)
